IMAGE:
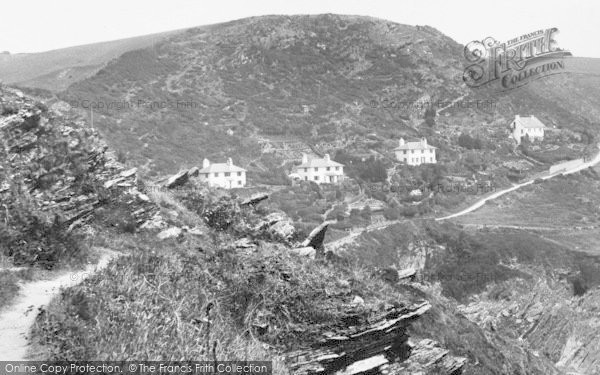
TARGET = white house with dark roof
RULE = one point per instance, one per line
(527, 126)
(320, 171)
(415, 153)
(225, 175)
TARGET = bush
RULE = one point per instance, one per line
(8, 110)
(221, 214)
(38, 241)
(468, 142)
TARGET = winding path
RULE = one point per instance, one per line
(500, 193)
(334, 245)
(17, 319)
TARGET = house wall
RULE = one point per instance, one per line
(520, 132)
(322, 173)
(227, 182)
(416, 158)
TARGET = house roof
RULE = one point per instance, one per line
(221, 167)
(415, 146)
(529, 122)
(314, 163)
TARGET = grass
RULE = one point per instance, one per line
(8, 288)
(200, 298)
(561, 202)
(165, 290)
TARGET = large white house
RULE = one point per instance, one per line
(415, 153)
(320, 171)
(527, 126)
(225, 175)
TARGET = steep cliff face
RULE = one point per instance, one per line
(523, 304)
(55, 173)
(545, 316)
(380, 345)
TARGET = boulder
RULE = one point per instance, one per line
(177, 180)
(408, 274)
(255, 199)
(128, 173)
(170, 233)
(317, 236)
(276, 225)
(156, 222)
(284, 230)
(244, 243)
(194, 172)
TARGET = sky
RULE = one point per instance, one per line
(42, 25)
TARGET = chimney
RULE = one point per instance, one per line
(304, 158)
(229, 162)
(401, 142)
(327, 158)
(205, 163)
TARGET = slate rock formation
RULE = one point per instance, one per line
(380, 346)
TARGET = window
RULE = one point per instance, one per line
(227, 174)
(316, 169)
(316, 178)
(337, 168)
(305, 169)
(305, 178)
(328, 169)
(404, 152)
(216, 174)
(239, 173)
(239, 182)
(412, 151)
(431, 159)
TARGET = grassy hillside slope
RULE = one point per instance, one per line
(57, 69)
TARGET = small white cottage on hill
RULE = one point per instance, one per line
(319, 170)
(528, 126)
(225, 175)
(415, 153)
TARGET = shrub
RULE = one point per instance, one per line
(38, 241)
(468, 142)
(8, 110)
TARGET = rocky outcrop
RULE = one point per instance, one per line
(380, 347)
(316, 238)
(254, 200)
(177, 180)
(278, 226)
(60, 166)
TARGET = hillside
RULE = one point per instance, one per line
(224, 274)
(304, 78)
(324, 82)
(57, 69)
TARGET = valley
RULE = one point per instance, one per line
(359, 237)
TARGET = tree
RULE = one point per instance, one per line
(430, 114)
(468, 142)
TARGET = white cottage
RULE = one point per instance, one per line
(527, 126)
(320, 171)
(225, 175)
(415, 153)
